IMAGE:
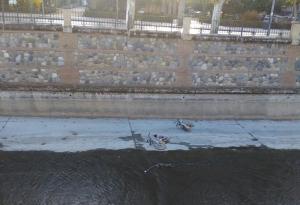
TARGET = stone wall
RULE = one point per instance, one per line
(30, 57)
(297, 68)
(120, 60)
(237, 64)
(29, 40)
(116, 60)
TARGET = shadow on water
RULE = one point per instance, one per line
(213, 176)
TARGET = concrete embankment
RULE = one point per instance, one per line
(79, 134)
(135, 105)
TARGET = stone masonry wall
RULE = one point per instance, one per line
(297, 68)
(30, 57)
(115, 60)
(236, 64)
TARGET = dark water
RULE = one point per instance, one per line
(233, 177)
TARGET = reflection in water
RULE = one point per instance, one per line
(233, 177)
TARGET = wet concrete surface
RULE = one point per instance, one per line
(244, 176)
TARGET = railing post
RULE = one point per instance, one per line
(67, 14)
(186, 28)
(295, 33)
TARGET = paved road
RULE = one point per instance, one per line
(72, 135)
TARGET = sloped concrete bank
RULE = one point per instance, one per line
(81, 134)
(135, 105)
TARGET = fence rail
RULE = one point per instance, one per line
(21, 18)
(98, 23)
(161, 27)
(198, 28)
(80, 19)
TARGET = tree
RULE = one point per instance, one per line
(294, 3)
(242, 5)
(216, 16)
(37, 4)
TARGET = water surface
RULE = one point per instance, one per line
(212, 177)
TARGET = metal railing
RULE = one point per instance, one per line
(201, 28)
(80, 19)
(26, 12)
(158, 27)
(165, 24)
(30, 18)
(161, 24)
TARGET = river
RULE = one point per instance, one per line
(206, 176)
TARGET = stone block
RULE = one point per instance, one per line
(295, 33)
(297, 65)
(186, 28)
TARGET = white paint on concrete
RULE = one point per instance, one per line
(79, 134)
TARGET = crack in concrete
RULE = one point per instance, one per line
(253, 137)
(5, 123)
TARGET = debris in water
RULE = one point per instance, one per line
(158, 165)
